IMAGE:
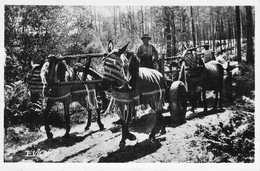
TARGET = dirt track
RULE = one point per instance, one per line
(179, 144)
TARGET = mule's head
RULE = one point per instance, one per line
(33, 68)
(33, 79)
(189, 56)
(193, 62)
(115, 63)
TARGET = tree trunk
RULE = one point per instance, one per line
(95, 18)
(120, 20)
(167, 30)
(250, 35)
(198, 27)
(115, 23)
(212, 34)
(174, 52)
(238, 34)
(229, 35)
(223, 37)
(142, 20)
(192, 27)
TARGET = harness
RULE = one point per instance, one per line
(113, 70)
(126, 99)
(70, 93)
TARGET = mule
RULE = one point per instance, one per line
(209, 76)
(136, 86)
(55, 70)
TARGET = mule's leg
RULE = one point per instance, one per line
(105, 101)
(193, 96)
(220, 98)
(67, 118)
(155, 127)
(204, 100)
(85, 103)
(101, 126)
(199, 97)
(89, 119)
(216, 100)
(129, 135)
(46, 119)
(161, 123)
(124, 134)
(220, 91)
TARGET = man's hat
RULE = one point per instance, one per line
(206, 45)
(146, 36)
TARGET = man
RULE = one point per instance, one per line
(147, 53)
(208, 53)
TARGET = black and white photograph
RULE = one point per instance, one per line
(165, 84)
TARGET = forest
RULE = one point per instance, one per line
(32, 32)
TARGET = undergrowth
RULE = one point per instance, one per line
(233, 140)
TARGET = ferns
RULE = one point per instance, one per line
(18, 108)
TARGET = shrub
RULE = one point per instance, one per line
(13, 69)
(245, 82)
(18, 108)
(232, 141)
(17, 136)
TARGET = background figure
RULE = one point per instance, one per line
(147, 53)
(208, 53)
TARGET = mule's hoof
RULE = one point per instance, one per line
(101, 127)
(66, 136)
(131, 137)
(151, 138)
(192, 110)
(122, 145)
(49, 136)
(86, 128)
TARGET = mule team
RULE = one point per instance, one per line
(133, 80)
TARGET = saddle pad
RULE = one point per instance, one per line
(212, 68)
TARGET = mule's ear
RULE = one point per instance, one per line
(184, 47)
(31, 65)
(110, 46)
(123, 49)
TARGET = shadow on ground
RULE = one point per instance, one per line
(131, 153)
(200, 115)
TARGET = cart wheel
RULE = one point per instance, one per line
(229, 88)
(178, 102)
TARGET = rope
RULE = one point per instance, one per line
(59, 98)
(43, 88)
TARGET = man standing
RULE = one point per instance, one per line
(208, 53)
(147, 53)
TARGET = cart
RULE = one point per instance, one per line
(176, 93)
(178, 89)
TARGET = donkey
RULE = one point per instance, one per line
(209, 76)
(55, 70)
(139, 86)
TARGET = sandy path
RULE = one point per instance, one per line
(179, 144)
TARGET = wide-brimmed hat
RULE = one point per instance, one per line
(146, 36)
(206, 45)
